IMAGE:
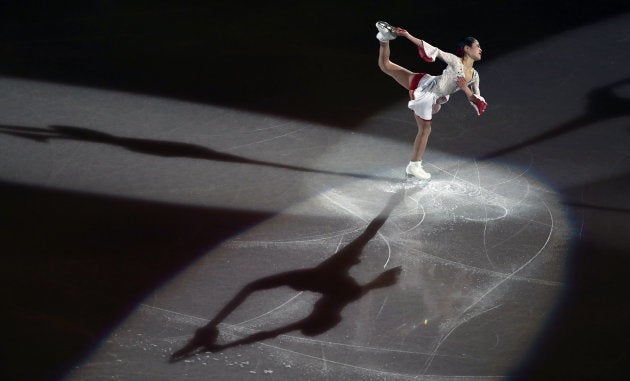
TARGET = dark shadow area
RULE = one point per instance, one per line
(73, 265)
(586, 338)
(606, 195)
(601, 103)
(331, 279)
(275, 57)
(579, 205)
(154, 147)
(588, 335)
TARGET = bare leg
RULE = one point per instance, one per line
(403, 77)
(399, 73)
(420, 144)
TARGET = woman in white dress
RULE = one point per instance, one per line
(428, 92)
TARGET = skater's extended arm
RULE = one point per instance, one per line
(427, 51)
(404, 33)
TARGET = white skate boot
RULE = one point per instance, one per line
(414, 168)
(385, 31)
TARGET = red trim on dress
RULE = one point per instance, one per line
(423, 54)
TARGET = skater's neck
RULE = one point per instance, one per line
(467, 61)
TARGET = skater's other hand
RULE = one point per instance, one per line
(461, 82)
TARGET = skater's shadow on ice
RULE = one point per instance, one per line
(155, 147)
(331, 279)
(606, 102)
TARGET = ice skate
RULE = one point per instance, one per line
(414, 170)
(386, 32)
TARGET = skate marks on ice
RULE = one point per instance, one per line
(480, 232)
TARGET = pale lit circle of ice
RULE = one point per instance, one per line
(485, 221)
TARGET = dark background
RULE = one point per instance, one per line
(279, 57)
(311, 60)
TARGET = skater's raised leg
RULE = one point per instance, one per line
(399, 73)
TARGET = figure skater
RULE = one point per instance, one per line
(427, 92)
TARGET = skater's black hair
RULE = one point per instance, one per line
(466, 41)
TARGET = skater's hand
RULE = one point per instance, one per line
(462, 83)
(401, 32)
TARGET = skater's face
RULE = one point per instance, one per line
(474, 51)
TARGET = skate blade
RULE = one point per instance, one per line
(411, 180)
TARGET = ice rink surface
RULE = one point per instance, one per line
(153, 237)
